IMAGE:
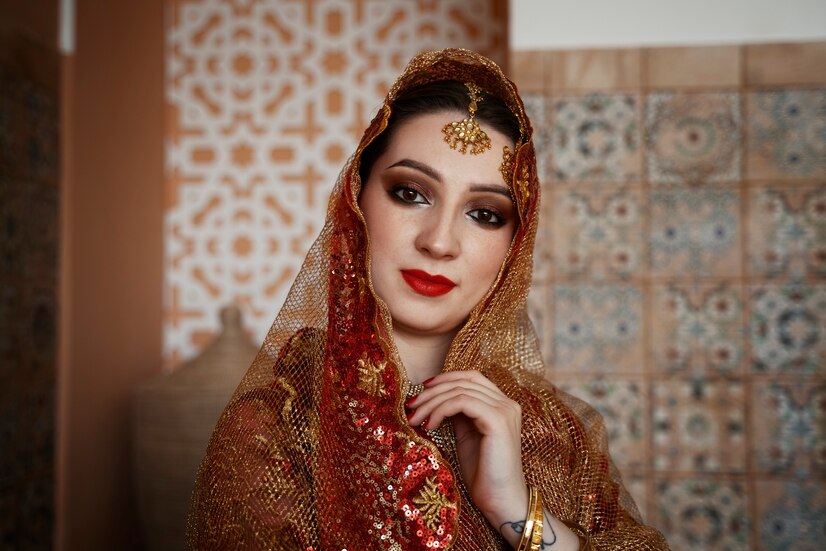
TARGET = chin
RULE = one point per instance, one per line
(412, 322)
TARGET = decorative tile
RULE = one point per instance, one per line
(28, 129)
(787, 232)
(792, 434)
(693, 66)
(787, 328)
(695, 232)
(699, 426)
(788, 64)
(543, 252)
(540, 311)
(697, 330)
(537, 107)
(623, 404)
(637, 486)
(702, 513)
(597, 235)
(596, 138)
(29, 228)
(527, 70)
(10, 330)
(693, 138)
(787, 133)
(594, 69)
(791, 515)
(41, 329)
(598, 328)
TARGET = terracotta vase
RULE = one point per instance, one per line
(173, 417)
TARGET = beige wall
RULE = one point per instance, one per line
(111, 270)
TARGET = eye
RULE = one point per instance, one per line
(487, 217)
(407, 194)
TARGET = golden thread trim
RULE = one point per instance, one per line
(460, 135)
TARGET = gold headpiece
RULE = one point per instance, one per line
(522, 185)
(506, 168)
(467, 131)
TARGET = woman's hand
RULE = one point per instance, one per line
(488, 426)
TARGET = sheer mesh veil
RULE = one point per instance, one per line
(314, 450)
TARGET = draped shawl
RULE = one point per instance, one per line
(314, 450)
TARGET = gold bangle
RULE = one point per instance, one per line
(538, 517)
(531, 539)
(581, 533)
(527, 530)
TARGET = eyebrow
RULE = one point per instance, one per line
(431, 172)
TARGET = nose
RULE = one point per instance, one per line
(438, 236)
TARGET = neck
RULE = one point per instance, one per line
(423, 356)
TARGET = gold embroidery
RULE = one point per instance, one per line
(467, 132)
(287, 408)
(430, 502)
(506, 168)
(370, 377)
(523, 183)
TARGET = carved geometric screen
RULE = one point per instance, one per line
(266, 101)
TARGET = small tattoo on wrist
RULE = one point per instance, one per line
(518, 526)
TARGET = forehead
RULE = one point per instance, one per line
(421, 138)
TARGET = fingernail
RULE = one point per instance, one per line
(410, 414)
(425, 423)
(428, 380)
(409, 402)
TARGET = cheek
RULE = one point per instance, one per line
(382, 230)
(488, 257)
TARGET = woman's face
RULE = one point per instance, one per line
(440, 223)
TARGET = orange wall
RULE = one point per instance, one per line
(111, 295)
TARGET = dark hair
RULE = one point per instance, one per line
(435, 97)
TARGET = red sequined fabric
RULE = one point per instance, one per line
(314, 451)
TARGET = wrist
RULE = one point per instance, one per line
(510, 517)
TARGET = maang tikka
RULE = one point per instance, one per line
(467, 132)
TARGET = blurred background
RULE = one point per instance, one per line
(163, 159)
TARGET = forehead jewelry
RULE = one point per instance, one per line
(506, 168)
(466, 133)
(521, 188)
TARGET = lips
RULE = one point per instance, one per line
(426, 284)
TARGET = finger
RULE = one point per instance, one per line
(488, 420)
(438, 385)
(488, 414)
(471, 375)
(424, 405)
(450, 388)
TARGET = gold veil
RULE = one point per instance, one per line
(314, 450)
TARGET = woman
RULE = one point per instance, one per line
(397, 401)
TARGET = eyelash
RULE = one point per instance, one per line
(396, 193)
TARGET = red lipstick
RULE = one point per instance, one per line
(428, 285)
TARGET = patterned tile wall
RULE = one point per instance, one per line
(266, 101)
(29, 214)
(680, 282)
